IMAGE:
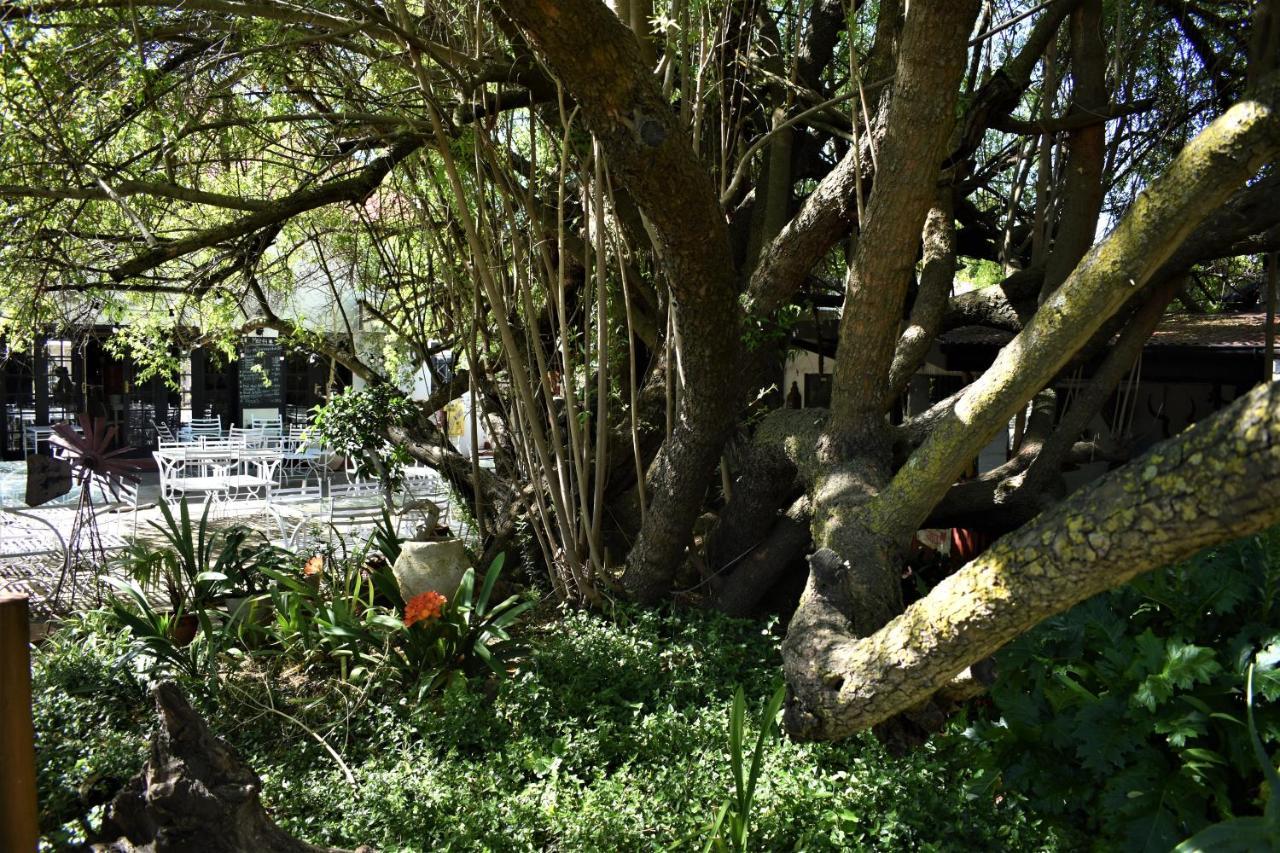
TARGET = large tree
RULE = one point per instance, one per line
(613, 213)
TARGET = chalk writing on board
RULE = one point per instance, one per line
(261, 374)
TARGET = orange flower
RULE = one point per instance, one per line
(313, 567)
(424, 606)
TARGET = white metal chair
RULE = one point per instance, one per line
(253, 477)
(182, 475)
(336, 526)
(245, 436)
(118, 498)
(281, 498)
(271, 427)
(425, 492)
(206, 427)
(302, 453)
(355, 488)
(163, 433)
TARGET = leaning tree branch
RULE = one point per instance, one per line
(1203, 176)
(124, 189)
(350, 189)
(1149, 514)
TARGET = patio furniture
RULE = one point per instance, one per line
(120, 499)
(183, 477)
(202, 428)
(33, 436)
(426, 495)
(356, 488)
(246, 436)
(255, 476)
(302, 453)
(271, 427)
(163, 433)
(324, 523)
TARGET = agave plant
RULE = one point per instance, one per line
(93, 463)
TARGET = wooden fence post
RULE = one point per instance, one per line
(19, 827)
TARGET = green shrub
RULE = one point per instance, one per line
(1124, 717)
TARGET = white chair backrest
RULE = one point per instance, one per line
(350, 518)
(307, 490)
(170, 465)
(206, 426)
(354, 488)
(216, 445)
(269, 426)
(163, 433)
(118, 490)
(245, 437)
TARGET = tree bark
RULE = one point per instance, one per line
(1212, 166)
(856, 449)
(1147, 515)
(1208, 170)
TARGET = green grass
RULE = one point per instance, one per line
(613, 736)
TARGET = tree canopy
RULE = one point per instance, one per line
(616, 214)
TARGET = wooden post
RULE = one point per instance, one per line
(1269, 363)
(19, 828)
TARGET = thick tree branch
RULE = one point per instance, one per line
(349, 189)
(1202, 177)
(124, 189)
(1147, 515)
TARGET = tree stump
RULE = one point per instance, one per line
(193, 795)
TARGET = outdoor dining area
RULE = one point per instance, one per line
(291, 476)
(276, 479)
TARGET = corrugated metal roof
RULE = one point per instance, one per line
(1234, 331)
(1208, 331)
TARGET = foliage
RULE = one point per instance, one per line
(197, 568)
(321, 613)
(1122, 716)
(610, 737)
(761, 331)
(732, 827)
(154, 634)
(355, 423)
(91, 720)
(199, 565)
(385, 538)
(980, 273)
(1245, 833)
(460, 637)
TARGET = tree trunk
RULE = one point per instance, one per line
(829, 703)
(600, 63)
(856, 449)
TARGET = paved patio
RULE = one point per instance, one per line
(33, 543)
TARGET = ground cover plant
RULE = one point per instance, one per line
(372, 719)
(612, 735)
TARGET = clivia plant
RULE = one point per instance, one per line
(446, 638)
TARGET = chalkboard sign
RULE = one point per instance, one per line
(261, 374)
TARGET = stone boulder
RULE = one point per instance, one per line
(428, 566)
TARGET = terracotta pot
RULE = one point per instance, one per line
(183, 631)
